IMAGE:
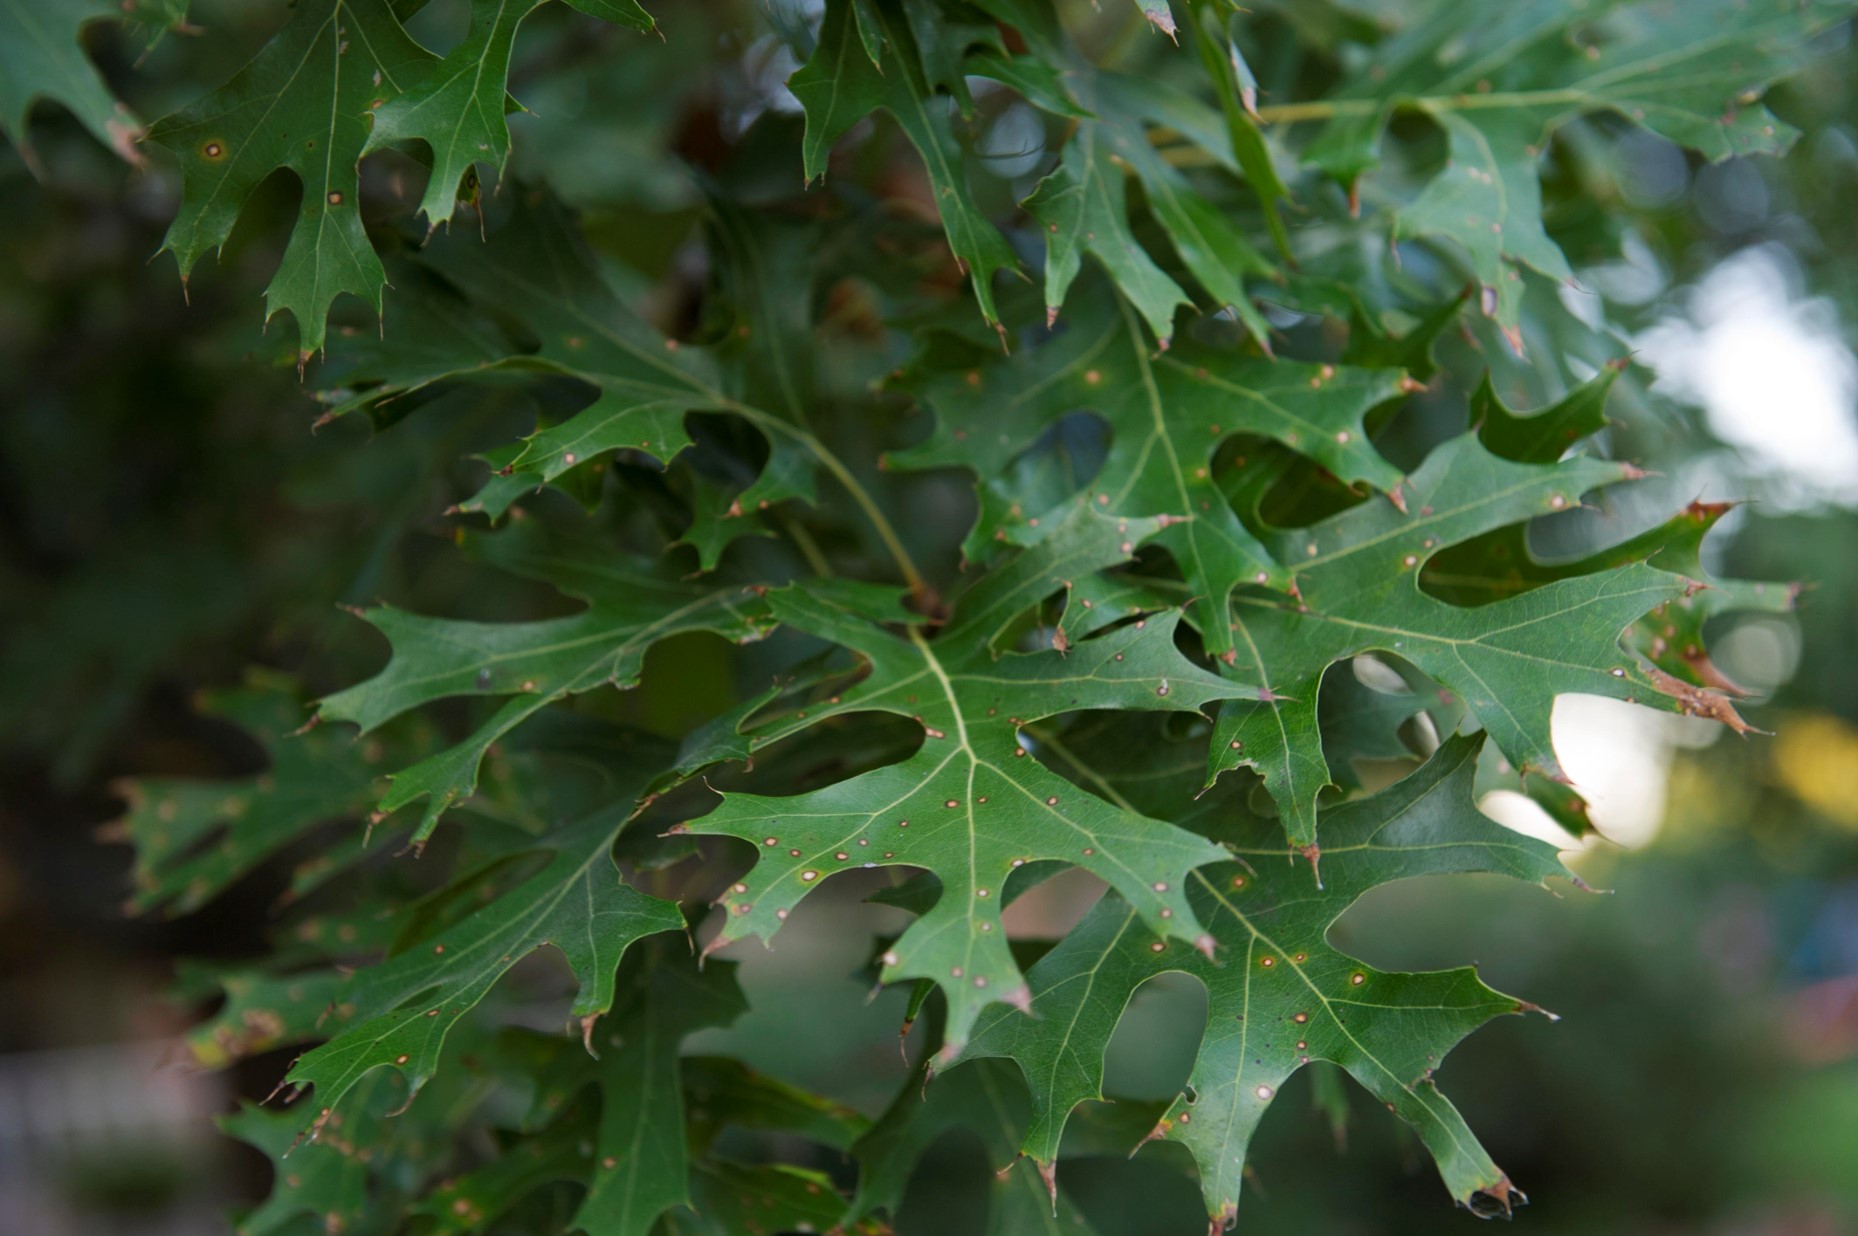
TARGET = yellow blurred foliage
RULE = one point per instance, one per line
(1816, 759)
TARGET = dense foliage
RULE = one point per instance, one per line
(1247, 611)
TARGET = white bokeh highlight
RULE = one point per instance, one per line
(1771, 371)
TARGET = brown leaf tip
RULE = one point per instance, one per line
(1695, 701)
(1708, 512)
(1163, 20)
(1500, 1198)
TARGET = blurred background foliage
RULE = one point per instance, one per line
(170, 517)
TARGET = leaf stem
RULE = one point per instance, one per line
(1326, 109)
(808, 547)
(833, 464)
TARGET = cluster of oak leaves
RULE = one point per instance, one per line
(1103, 658)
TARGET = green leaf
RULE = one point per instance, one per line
(943, 35)
(1082, 207)
(633, 1160)
(472, 1201)
(1693, 73)
(1489, 201)
(538, 271)
(970, 805)
(1358, 575)
(641, 1165)
(262, 1011)
(42, 58)
(323, 1180)
(303, 104)
(630, 605)
(697, 1193)
(721, 1092)
(359, 1176)
(1169, 517)
(458, 108)
(730, 1198)
(1671, 636)
(1362, 722)
(1169, 415)
(1502, 82)
(1237, 88)
(1036, 80)
(1545, 435)
(716, 523)
(1279, 997)
(849, 76)
(309, 102)
(194, 838)
(984, 1100)
(1104, 599)
(765, 305)
(405, 1006)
